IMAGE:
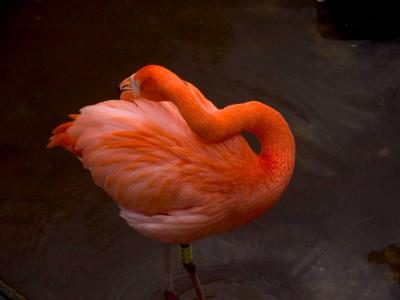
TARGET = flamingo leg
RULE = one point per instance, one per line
(169, 293)
(188, 263)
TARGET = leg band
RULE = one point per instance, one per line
(186, 253)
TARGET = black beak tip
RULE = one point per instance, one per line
(122, 88)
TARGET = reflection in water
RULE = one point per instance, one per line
(389, 256)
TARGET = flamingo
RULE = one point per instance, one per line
(177, 166)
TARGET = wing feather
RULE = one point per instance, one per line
(144, 155)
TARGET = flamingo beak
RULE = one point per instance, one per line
(129, 89)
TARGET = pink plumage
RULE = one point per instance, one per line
(171, 184)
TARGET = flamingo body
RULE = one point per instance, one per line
(171, 184)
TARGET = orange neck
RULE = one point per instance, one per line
(277, 142)
(270, 128)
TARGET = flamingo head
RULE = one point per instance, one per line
(151, 82)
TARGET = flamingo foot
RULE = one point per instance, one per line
(170, 295)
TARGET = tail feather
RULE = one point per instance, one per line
(73, 116)
(61, 138)
(62, 128)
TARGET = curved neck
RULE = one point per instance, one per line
(270, 128)
(278, 147)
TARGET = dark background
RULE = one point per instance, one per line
(61, 236)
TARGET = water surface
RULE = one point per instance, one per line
(61, 236)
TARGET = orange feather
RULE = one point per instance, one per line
(177, 166)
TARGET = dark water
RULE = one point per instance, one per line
(61, 236)
(358, 19)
